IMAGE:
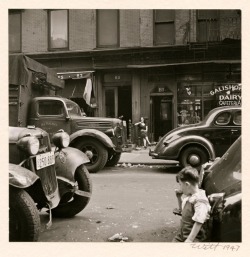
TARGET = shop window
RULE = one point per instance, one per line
(223, 119)
(164, 33)
(58, 29)
(237, 118)
(107, 28)
(50, 108)
(15, 31)
(207, 25)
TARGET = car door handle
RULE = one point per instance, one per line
(234, 130)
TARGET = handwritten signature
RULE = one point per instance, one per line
(215, 246)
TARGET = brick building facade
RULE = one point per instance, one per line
(164, 65)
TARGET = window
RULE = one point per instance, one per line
(223, 118)
(208, 26)
(15, 31)
(58, 29)
(50, 108)
(164, 32)
(237, 118)
(107, 28)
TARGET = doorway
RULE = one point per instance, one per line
(118, 102)
(161, 115)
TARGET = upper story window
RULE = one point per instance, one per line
(15, 31)
(58, 29)
(107, 28)
(164, 32)
(208, 25)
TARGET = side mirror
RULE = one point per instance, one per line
(67, 118)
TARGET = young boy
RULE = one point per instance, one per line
(195, 207)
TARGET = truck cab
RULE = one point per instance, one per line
(102, 139)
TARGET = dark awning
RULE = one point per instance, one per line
(21, 66)
(182, 63)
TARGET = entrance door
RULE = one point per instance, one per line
(118, 102)
(162, 115)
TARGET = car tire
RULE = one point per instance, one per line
(113, 160)
(24, 220)
(194, 156)
(72, 204)
(96, 152)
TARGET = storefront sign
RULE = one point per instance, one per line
(229, 94)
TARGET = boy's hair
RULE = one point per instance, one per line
(188, 174)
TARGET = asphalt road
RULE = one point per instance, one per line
(134, 202)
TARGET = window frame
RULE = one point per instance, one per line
(53, 103)
(163, 22)
(20, 13)
(49, 31)
(234, 116)
(207, 20)
(118, 30)
(225, 123)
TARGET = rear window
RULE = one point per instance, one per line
(223, 118)
(50, 108)
(237, 118)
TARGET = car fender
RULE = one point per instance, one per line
(66, 162)
(174, 148)
(230, 218)
(21, 177)
(99, 135)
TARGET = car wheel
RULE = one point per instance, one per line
(193, 156)
(24, 220)
(96, 152)
(113, 160)
(71, 203)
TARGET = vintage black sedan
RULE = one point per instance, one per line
(222, 182)
(196, 144)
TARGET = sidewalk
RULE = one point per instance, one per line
(141, 156)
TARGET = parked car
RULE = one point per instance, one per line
(42, 177)
(221, 180)
(196, 144)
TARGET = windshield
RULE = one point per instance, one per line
(73, 109)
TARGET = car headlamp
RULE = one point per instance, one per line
(29, 144)
(61, 139)
(110, 132)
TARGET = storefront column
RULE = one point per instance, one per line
(136, 103)
(99, 95)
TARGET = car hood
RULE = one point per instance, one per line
(180, 130)
(95, 122)
(225, 174)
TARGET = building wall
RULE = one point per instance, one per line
(129, 28)
(82, 29)
(136, 28)
(34, 31)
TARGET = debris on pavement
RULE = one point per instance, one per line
(118, 237)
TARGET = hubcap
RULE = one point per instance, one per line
(89, 154)
(194, 159)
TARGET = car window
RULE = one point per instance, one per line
(223, 118)
(237, 118)
(50, 108)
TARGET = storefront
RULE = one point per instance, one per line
(196, 99)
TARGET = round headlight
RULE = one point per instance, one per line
(29, 144)
(61, 139)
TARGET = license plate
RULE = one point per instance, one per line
(45, 160)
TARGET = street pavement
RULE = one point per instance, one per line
(140, 156)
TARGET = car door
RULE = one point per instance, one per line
(236, 126)
(221, 132)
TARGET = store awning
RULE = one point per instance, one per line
(22, 67)
(75, 74)
(140, 66)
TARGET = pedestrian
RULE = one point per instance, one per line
(143, 132)
(194, 206)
